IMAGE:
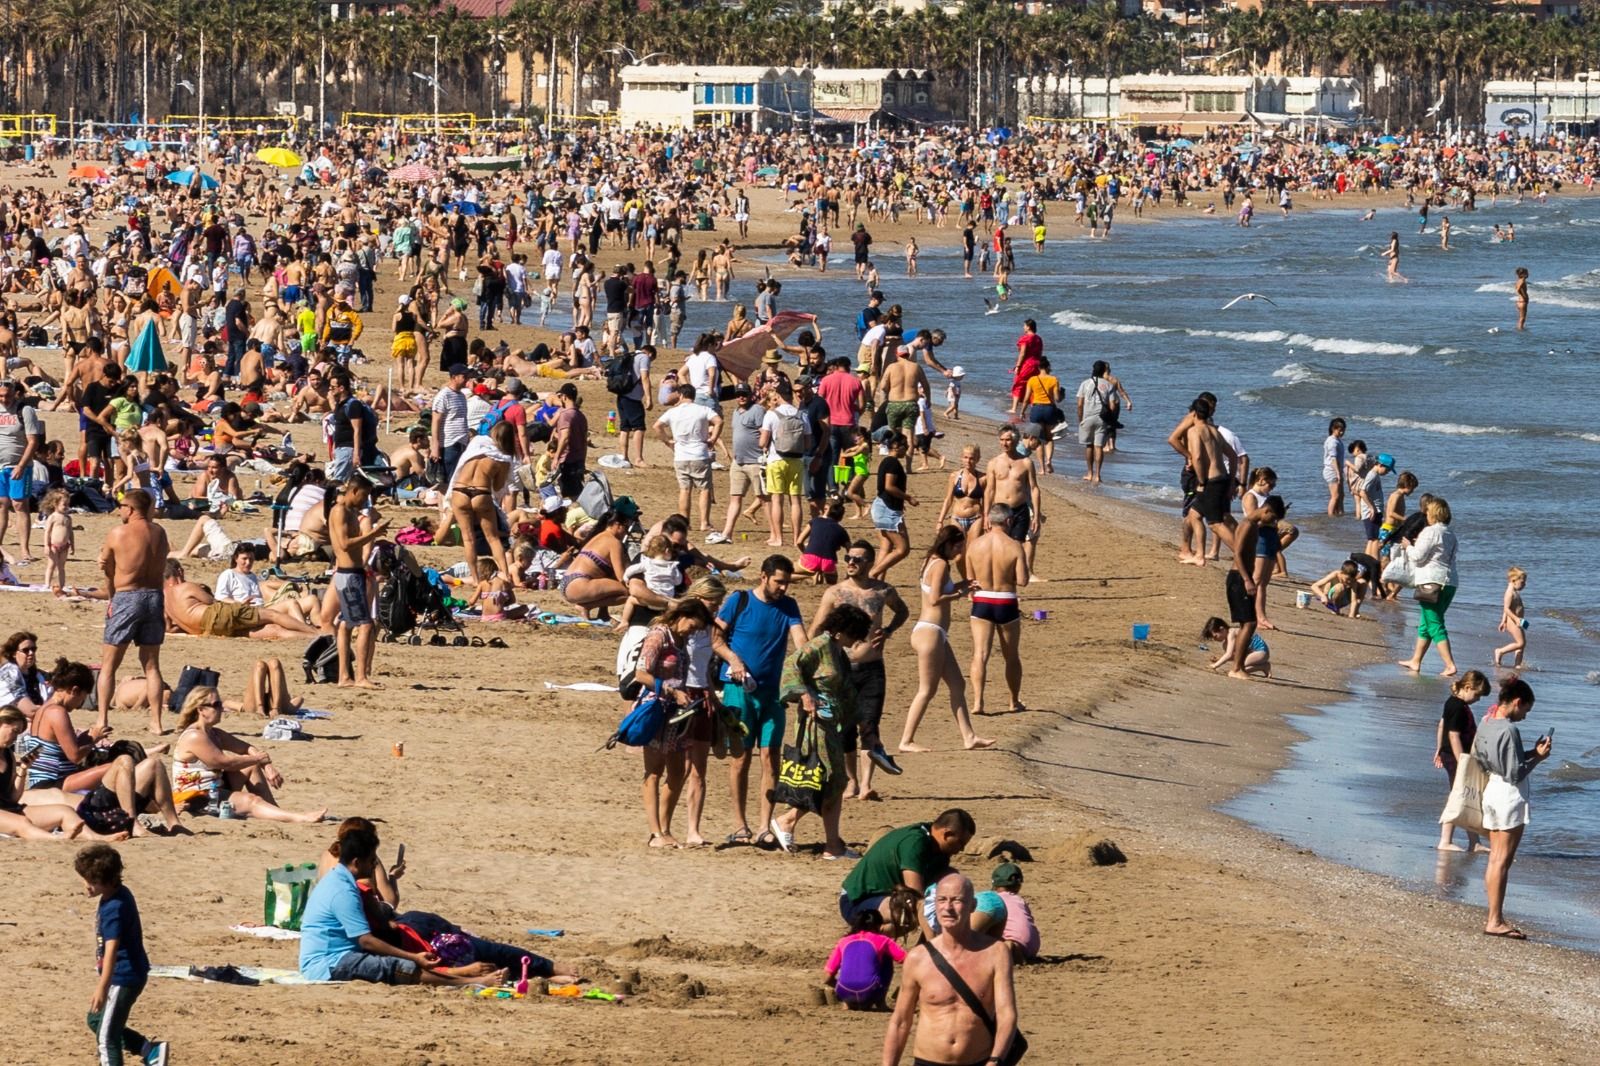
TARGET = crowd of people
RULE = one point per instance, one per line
(199, 325)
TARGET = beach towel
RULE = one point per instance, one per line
(265, 975)
(146, 355)
(265, 932)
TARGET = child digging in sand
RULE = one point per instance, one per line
(1259, 659)
(1513, 618)
(59, 542)
(862, 964)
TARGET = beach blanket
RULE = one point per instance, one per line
(742, 357)
(264, 974)
(265, 932)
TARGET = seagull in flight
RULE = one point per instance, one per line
(189, 85)
(993, 308)
(1246, 296)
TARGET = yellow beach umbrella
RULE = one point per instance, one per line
(279, 157)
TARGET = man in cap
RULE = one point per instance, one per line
(1370, 501)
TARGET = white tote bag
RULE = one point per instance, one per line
(1464, 808)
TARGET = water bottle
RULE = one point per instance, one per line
(611, 423)
(225, 811)
(215, 800)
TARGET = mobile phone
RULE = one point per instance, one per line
(1551, 736)
(400, 855)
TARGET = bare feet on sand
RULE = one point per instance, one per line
(978, 742)
(662, 840)
(908, 748)
(1192, 560)
(1407, 664)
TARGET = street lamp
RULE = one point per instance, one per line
(435, 38)
(1583, 79)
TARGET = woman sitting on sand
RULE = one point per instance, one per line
(930, 639)
(592, 581)
(33, 821)
(479, 481)
(217, 484)
(64, 761)
(817, 678)
(22, 684)
(380, 899)
(662, 669)
(206, 756)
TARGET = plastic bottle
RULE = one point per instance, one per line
(214, 801)
(611, 423)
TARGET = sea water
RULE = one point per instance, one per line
(1500, 423)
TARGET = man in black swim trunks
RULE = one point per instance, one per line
(1013, 480)
(1211, 458)
(998, 566)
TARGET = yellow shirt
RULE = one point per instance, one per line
(1041, 389)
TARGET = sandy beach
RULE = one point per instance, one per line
(1211, 944)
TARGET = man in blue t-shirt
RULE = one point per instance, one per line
(337, 942)
(760, 627)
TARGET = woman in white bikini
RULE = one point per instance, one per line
(930, 638)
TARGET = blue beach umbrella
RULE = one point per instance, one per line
(186, 177)
(1338, 148)
(1388, 139)
(136, 144)
(1181, 142)
(465, 207)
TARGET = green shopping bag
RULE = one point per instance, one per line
(288, 887)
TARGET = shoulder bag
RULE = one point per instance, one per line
(1019, 1043)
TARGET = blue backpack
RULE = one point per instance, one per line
(642, 724)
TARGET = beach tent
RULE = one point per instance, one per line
(162, 280)
(136, 144)
(741, 357)
(465, 207)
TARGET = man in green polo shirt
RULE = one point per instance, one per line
(913, 856)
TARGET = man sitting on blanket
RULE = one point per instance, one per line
(337, 942)
(192, 609)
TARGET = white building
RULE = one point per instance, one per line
(873, 95)
(1191, 103)
(1543, 105)
(685, 95)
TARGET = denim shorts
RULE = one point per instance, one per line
(362, 966)
(887, 518)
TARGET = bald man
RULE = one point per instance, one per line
(960, 981)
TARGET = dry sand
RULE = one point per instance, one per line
(1211, 944)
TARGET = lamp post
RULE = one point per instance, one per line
(435, 38)
(1583, 79)
(1535, 112)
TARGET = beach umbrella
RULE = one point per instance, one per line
(139, 164)
(1388, 147)
(413, 172)
(278, 157)
(1388, 139)
(465, 207)
(136, 144)
(187, 177)
(1181, 142)
(90, 173)
(767, 172)
(1338, 149)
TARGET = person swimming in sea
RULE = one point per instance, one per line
(1521, 296)
(1392, 253)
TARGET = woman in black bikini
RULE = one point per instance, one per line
(478, 482)
(963, 501)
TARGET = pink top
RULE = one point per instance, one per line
(1020, 926)
(880, 944)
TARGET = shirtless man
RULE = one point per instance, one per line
(131, 559)
(1013, 480)
(998, 567)
(1211, 458)
(350, 581)
(951, 1031)
(411, 458)
(859, 589)
(77, 319)
(898, 387)
(312, 399)
(192, 609)
(1259, 530)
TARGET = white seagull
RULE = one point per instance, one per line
(1246, 296)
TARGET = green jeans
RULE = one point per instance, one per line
(1430, 626)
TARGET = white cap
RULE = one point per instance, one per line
(405, 298)
(958, 372)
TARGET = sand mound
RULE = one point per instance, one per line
(1089, 848)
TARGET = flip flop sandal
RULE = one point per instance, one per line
(477, 642)
(743, 836)
(498, 642)
(785, 840)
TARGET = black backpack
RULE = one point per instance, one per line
(401, 600)
(620, 376)
(321, 660)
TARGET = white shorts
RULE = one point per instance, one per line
(553, 274)
(1505, 806)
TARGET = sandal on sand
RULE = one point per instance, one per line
(765, 840)
(785, 840)
(1509, 934)
(742, 836)
(498, 642)
(477, 642)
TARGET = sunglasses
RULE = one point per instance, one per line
(27, 649)
(859, 560)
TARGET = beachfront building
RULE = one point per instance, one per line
(1191, 103)
(1542, 106)
(680, 95)
(873, 96)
